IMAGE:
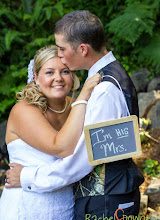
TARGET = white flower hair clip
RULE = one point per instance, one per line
(30, 72)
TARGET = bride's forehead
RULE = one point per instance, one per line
(54, 63)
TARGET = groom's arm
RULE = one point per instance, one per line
(59, 174)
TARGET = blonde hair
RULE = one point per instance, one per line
(31, 92)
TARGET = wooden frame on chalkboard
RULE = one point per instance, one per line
(124, 130)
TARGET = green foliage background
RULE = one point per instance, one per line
(132, 29)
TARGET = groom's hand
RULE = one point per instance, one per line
(13, 176)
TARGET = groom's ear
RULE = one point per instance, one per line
(83, 49)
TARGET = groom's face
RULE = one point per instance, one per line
(70, 57)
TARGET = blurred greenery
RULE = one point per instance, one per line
(131, 29)
(152, 168)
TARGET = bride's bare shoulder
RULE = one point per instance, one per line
(22, 107)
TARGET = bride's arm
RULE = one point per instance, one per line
(29, 124)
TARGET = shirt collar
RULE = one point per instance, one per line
(104, 61)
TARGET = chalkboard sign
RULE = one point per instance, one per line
(112, 140)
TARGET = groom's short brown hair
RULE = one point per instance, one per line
(81, 27)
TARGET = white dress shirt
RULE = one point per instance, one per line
(106, 102)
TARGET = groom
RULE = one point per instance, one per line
(112, 188)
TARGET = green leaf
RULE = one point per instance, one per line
(10, 36)
(5, 86)
(48, 11)
(51, 38)
(158, 168)
(147, 170)
(9, 14)
(18, 88)
(98, 169)
(59, 8)
(20, 73)
(151, 167)
(6, 104)
(26, 6)
(150, 52)
(27, 17)
(7, 162)
(37, 10)
(37, 42)
(136, 19)
(150, 163)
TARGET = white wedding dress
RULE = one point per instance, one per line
(16, 204)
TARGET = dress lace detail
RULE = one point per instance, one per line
(16, 204)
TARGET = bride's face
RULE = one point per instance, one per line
(54, 79)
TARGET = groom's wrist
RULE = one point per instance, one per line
(27, 178)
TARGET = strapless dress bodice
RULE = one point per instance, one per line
(20, 152)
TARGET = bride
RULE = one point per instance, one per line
(41, 128)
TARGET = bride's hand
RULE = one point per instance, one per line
(88, 87)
